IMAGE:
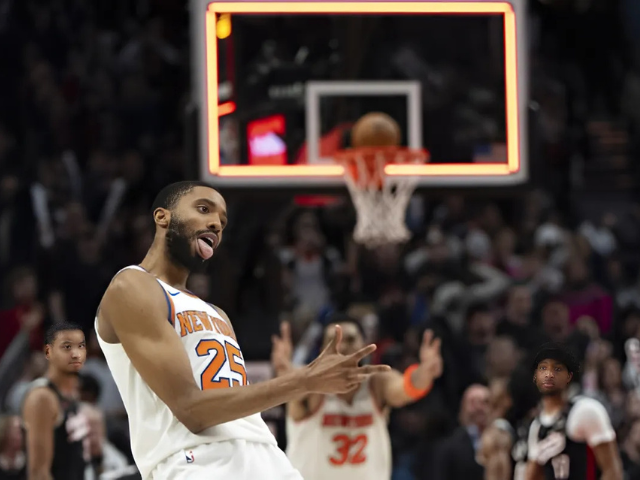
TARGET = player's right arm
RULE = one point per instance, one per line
(134, 310)
(40, 412)
(590, 422)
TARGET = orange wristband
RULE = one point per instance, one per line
(409, 388)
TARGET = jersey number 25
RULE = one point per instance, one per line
(221, 353)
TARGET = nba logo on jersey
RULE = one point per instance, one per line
(189, 456)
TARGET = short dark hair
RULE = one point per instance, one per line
(168, 197)
(53, 330)
(342, 318)
(560, 353)
(476, 308)
(553, 299)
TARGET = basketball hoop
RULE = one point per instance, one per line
(380, 200)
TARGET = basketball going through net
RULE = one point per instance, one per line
(380, 200)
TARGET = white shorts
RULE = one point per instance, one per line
(231, 459)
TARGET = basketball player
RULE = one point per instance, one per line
(178, 365)
(503, 446)
(56, 433)
(345, 436)
(570, 439)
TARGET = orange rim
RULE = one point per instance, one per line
(393, 155)
(351, 159)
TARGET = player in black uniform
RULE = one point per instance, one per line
(570, 439)
(503, 446)
(56, 433)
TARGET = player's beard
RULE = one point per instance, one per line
(179, 241)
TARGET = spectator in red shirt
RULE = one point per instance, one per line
(23, 288)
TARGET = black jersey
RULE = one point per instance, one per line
(520, 448)
(13, 474)
(563, 457)
(70, 438)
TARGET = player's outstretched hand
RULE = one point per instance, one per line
(332, 372)
(282, 350)
(430, 356)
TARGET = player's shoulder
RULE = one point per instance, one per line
(132, 286)
(129, 280)
(40, 395)
(584, 407)
(133, 294)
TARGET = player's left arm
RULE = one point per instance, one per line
(589, 422)
(397, 389)
(39, 413)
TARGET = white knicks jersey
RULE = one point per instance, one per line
(216, 362)
(342, 441)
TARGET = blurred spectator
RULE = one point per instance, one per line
(96, 367)
(630, 451)
(104, 456)
(555, 320)
(310, 265)
(82, 269)
(516, 321)
(34, 367)
(23, 288)
(501, 358)
(12, 455)
(504, 256)
(611, 392)
(457, 457)
(17, 225)
(98, 388)
(479, 333)
(200, 285)
(472, 284)
(584, 297)
(632, 407)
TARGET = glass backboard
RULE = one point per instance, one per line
(280, 84)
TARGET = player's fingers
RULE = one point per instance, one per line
(427, 337)
(336, 340)
(332, 346)
(363, 352)
(285, 331)
(275, 340)
(437, 343)
(373, 369)
(358, 379)
(351, 386)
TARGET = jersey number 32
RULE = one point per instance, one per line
(221, 353)
(349, 450)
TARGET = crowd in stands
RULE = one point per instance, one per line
(92, 96)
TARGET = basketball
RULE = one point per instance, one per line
(375, 129)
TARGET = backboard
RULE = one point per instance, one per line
(278, 85)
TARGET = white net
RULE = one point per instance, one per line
(380, 200)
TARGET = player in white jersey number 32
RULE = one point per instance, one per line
(178, 365)
(345, 436)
